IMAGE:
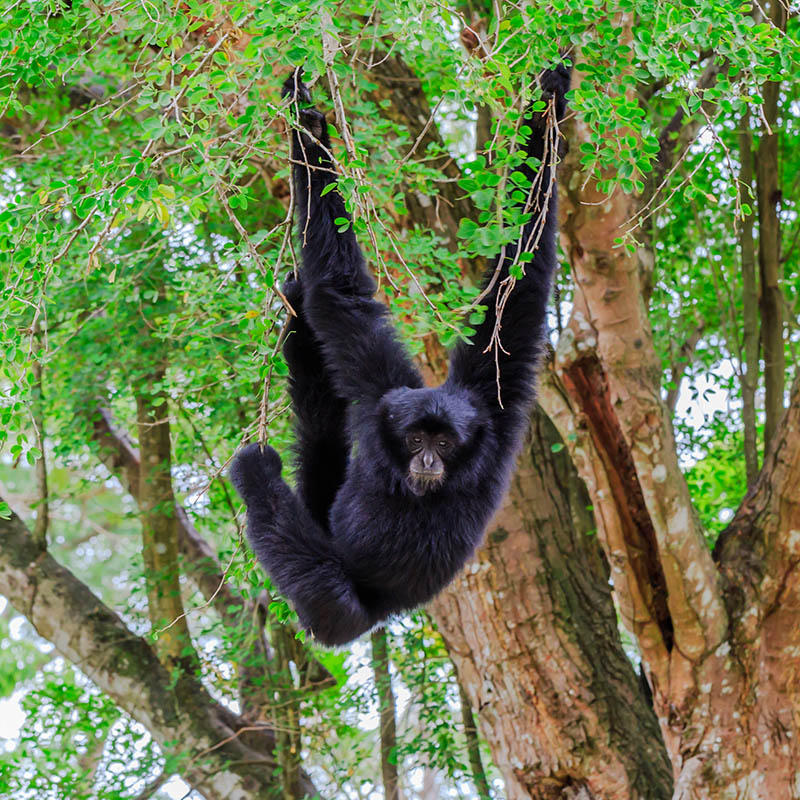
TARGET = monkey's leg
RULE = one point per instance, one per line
(296, 551)
(323, 446)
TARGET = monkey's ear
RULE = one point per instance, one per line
(294, 87)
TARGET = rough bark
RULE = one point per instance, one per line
(386, 706)
(218, 753)
(519, 738)
(756, 700)
(769, 248)
(532, 630)
(712, 639)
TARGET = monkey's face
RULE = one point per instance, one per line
(429, 436)
(428, 455)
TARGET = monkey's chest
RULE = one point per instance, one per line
(410, 553)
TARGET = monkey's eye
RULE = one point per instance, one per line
(444, 444)
(414, 441)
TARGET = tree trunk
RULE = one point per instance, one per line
(383, 684)
(159, 532)
(769, 248)
(749, 369)
(532, 630)
(711, 632)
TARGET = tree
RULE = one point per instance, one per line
(145, 223)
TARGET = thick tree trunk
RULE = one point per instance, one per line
(532, 630)
(540, 579)
(713, 635)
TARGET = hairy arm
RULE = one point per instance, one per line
(503, 356)
(359, 345)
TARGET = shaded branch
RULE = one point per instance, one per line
(121, 458)
(680, 132)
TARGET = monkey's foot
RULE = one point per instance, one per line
(254, 470)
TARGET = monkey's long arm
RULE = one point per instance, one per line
(513, 359)
(360, 348)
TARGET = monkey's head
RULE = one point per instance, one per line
(428, 434)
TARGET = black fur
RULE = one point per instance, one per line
(354, 544)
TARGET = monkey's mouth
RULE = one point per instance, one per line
(422, 481)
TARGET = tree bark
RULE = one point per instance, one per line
(159, 533)
(522, 730)
(201, 565)
(218, 753)
(710, 630)
(532, 630)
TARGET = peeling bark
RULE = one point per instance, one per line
(727, 705)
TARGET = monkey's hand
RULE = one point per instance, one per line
(555, 84)
(309, 117)
(294, 87)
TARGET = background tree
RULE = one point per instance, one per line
(653, 523)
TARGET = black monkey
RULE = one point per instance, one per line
(383, 530)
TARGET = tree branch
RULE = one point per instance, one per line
(227, 756)
(679, 132)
